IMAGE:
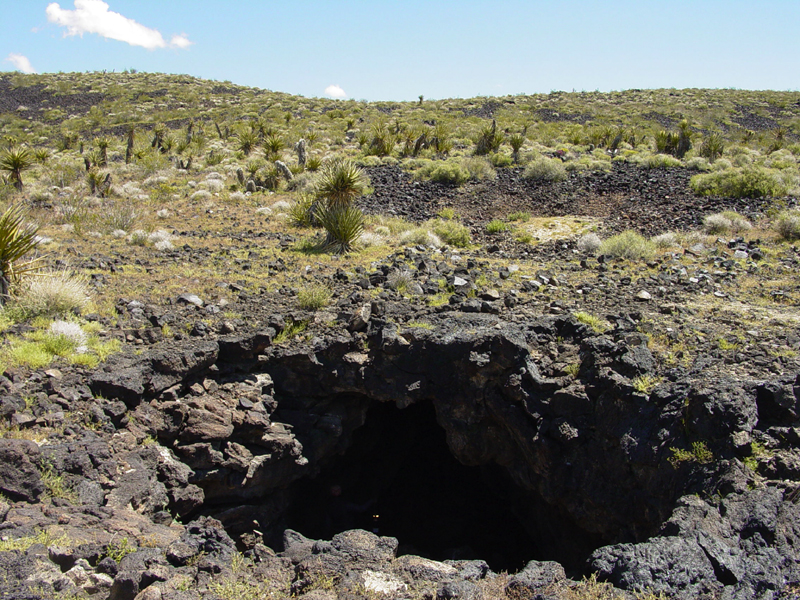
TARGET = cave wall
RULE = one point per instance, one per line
(588, 457)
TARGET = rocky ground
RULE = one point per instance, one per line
(643, 415)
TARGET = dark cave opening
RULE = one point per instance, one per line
(398, 478)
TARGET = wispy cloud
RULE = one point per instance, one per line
(334, 91)
(20, 62)
(94, 16)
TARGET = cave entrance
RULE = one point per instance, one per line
(398, 478)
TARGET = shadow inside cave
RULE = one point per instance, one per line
(398, 478)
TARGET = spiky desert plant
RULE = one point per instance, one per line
(273, 144)
(441, 142)
(14, 161)
(17, 239)
(343, 225)
(129, 148)
(516, 140)
(159, 133)
(102, 145)
(340, 183)
(42, 155)
(713, 146)
(684, 139)
(382, 143)
(489, 140)
(301, 211)
(248, 140)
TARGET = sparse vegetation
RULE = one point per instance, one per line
(597, 324)
(787, 224)
(313, 297)
(546, 169)
(746, 182)
(726, 222)
(203, 212)
(628, 244)
(699, 454)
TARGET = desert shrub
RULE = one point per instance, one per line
(451, 232)
(371, 238)
(628, 244)
(201, 195)
(212, 185)
(52, 294)
(313, 297)
(479, 168)
(496, 226)
(501, 160)
(519, 215)
(589, 243)
(698, 163)
(65, 337)
(658, 161)
(299, 183)
(399, 281)
(447, 172)
(420, 236)
(452, 171)
(161, 240)
(725, 222)
(747, 182)
(119, 215)
(545, 169)
(787, 224)
(722, 164)
(665, 240)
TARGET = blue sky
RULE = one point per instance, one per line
(397, 50)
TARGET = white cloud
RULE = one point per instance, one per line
(20, 62)
(93, 16)
(334, 91)
(180, 41)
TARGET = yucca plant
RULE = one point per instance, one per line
(382, 143)
(516, 140)
(14, 161)
(131, 135)
(248, 140)
(339, 183)
(313, 163)
(301, 211)
(42, 155)
(273, 144)
(441, 142)
(17, 239)
(713, 146)
(489, 140)
(684, 139)
(343, 225)
(102, 145)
